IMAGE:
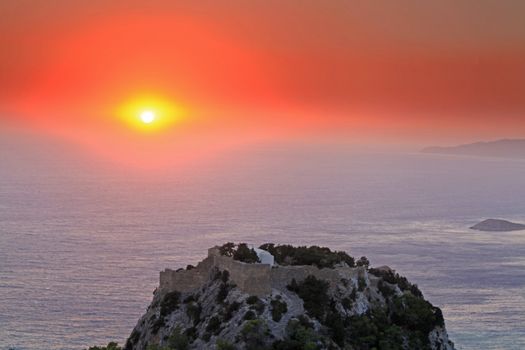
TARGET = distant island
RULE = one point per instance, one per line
(497, 225)
(514, 149)
(281, 297)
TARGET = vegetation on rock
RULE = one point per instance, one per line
(314, 293)
(224, 345)
(110, 346)
(394, 278)
(321, 257)
(279, 308)
(176, 341)
(255, 334)
(239, 252)
(363, 261)
(363, 309)
(169, 303)
(300, 335)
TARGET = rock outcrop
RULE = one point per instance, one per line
(330, 303)
(496, 225)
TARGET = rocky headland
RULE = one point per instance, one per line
(280, 297)
(512, 149)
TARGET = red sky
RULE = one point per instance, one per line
(245, 71)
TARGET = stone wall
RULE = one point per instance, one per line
(281, 276)
(254, 279)
(185, 280)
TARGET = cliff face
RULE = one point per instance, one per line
(301, 307)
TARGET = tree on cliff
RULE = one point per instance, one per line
(239, 252)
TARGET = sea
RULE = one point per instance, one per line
(81, 248)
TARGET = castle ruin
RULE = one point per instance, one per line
(254, 279)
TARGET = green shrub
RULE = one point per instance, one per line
(110, 346)
(252, 299)
(224, 289)
(385, 289)
(299, 336)
(255, 304)
(305, 322)
(394, 278)
(158, 324)
(191, 333)
(259, 307)
(415, 291)
(314, 293)
(169, 303)
(225, 276)
(189, 299)
(278, 309)
(361, 283)
(224, 345)
(217, 274)
(156, 347)
(239, 252)
(214, 325)
(373, 330)
(230, 309)
(363, 261)
(249, 315)
(193, 311)
(408, 320)
(416, 314)
(318, 256)
(336, 327)
(347, 303)
(245, 254)
(178, 340)
(227, 249)
(255, 334)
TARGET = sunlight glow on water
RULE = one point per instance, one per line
(80, 253)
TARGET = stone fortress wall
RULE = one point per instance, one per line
(253, 279)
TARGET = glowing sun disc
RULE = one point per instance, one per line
(150, 113)
(147, 117)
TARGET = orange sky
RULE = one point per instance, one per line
(250, 71)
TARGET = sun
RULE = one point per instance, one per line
(151, 114)
(147, 117)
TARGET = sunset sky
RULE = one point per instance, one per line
(224, 74)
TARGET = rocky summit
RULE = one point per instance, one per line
(286, 298)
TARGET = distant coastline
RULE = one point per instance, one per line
(505, 148)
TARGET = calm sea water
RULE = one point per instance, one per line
(80, 250)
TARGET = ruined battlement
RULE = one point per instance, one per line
(254, 279)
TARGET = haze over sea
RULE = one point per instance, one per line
(80, 249)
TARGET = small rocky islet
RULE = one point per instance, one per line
(498, 225)
(281, 297)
